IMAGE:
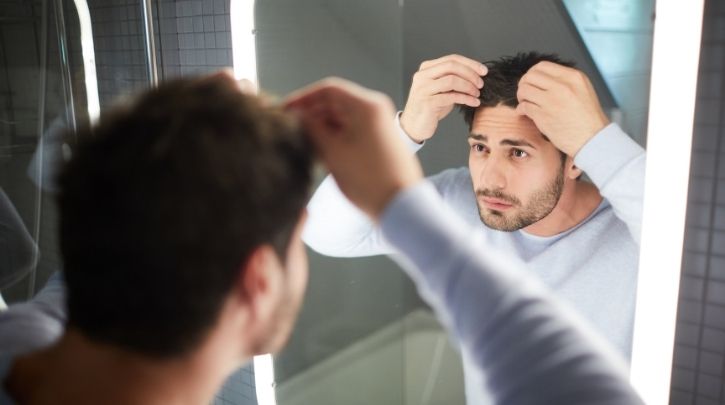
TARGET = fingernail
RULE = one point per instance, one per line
(480, 83)
(484, 69)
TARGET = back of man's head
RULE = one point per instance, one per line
(162, 202)
(502, 81)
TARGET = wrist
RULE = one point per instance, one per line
(409, 130)
(592, 133)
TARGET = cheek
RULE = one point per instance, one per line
(524, 180)
(533, 181)
(475, 167)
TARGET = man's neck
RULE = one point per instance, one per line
(79, 371)
(577, 202)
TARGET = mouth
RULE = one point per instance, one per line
(495, 203)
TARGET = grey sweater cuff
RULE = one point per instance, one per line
(607, 153)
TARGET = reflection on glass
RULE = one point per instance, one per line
(324, 362)
(40, 48)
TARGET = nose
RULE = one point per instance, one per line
(492, 174)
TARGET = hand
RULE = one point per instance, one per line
(351, 129)
(437, 87)
(563, 104)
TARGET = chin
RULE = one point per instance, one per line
(498, 222)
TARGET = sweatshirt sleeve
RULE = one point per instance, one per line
(36, 323)
(532, 349)
(616, 165)
(335, 227)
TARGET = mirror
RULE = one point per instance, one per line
(379, 341)
(364, 335)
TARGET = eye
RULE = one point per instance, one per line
(518, 153)
(477, 147)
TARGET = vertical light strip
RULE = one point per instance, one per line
(89, 59)
(244, 49)
(244, 59)
(264, 380)
(675, 61)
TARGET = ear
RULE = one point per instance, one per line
(260, 282)
(571, 171)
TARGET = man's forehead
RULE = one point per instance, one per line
(503, 121)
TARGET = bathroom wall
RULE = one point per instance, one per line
(698, 372)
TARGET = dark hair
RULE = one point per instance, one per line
(502, 81)
(163, 201)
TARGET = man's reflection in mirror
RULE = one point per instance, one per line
(536, 126)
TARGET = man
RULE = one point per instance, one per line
(535, 351)
(181, 260)
(535, 126)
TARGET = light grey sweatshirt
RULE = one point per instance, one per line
(533, 349)
(592, 267)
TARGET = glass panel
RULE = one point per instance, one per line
(43, 81)
(381, 44)
(43, 94)
(349, 342)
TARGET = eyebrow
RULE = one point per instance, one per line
(510, 142)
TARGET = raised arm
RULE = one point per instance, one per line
(564, 106)
(335, 227)
(616, 165)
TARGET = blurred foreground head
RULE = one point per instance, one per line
(176, 204)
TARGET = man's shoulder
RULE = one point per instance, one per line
(23, 330)
(606, 226)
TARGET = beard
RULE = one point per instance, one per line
(540, 204)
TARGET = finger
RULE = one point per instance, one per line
(448, 68)
(474, 65)
(553, 69)
(540, 79)
(323, 132)
(452, 83)
(303, 98)
(451, 98)
(532, 94)
(323, 89)
(313, 118)
(530, 110)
